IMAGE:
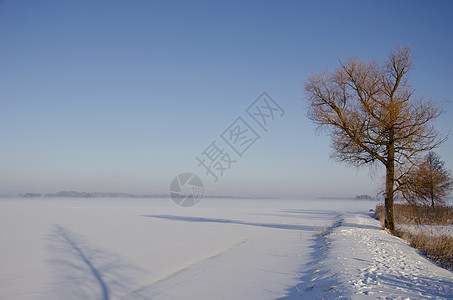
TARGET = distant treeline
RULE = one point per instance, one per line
(75, 194)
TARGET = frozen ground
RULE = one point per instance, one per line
(220, 249)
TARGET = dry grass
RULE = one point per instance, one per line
(379, 214)
(321, 231)
(418, 214)
(436, 244)
(438, 248)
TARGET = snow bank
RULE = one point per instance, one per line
(360, 260)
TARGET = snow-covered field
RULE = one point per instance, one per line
(219, 249)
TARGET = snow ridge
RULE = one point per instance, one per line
(316, 279)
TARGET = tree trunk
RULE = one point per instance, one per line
(389, 184)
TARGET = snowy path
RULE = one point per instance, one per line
(360, 260)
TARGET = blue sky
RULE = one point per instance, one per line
(124, 95)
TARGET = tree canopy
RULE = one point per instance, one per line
(373, 116)
(428, 183)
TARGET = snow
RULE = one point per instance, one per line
(220, 249)
(365, 261)
(430, 230)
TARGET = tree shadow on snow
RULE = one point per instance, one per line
(298, 214)
(228, 221)
(362, 226)
(309, 212)
(84, 271)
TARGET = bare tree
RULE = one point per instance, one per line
(372, 116)
(429, 182)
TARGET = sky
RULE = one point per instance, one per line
(122, 96)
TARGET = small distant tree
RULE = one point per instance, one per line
(429, 183)
(373, 116)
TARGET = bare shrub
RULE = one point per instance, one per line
(379, 214)
(419, 214)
